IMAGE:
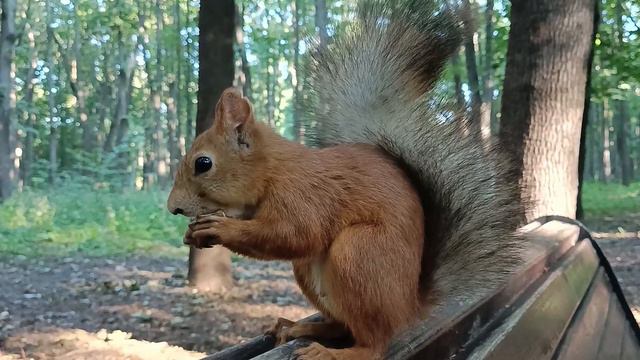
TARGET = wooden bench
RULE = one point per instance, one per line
(564, 303)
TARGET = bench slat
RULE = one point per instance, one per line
(589, 323)
(630, 346)
(535, 329)
(614, 333)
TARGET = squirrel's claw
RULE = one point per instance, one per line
(202, 233)
(197, 241)
(280, 330)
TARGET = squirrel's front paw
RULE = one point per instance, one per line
(205, 231)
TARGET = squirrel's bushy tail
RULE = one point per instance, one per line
(374, 84)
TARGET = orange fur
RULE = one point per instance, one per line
(347, 217)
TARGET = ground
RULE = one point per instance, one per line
(104, 304)
(43, 306)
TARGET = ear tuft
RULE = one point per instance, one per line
(233, 109)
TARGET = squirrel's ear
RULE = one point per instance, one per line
(233, 111)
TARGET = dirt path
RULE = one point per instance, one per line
(624, 255)
(68, 302)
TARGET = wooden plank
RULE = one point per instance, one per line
(610, 346)
(285, 351)
(253, 347)
(630, 345)
(581, 340)
(534, 330)
(245, 350)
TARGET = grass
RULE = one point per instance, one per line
(612, 199)
(79, 219)
(76, 218)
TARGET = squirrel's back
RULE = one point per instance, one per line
(375, 85)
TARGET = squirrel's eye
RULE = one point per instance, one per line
(203, 164)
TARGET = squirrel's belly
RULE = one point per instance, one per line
(310, 275)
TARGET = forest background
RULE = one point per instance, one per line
(99, 99)
(103, 98)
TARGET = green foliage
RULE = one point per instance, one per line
(78, 218)
(610, 199)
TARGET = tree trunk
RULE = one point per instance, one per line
(322, 20)
(606, 146)
(89, 141)
(106, 97)
(188, 78)
(587, 113)
(7, 97)
(179, 137)
(172, 117)
(123, 159)
(544, 97)
(621, 119)
(210, 269)
(123, 86)
(162, 168)
(487, 79)
(295, 76)
(244, 72)
(588, 171)
(54, 133)
(596, 142)
(29, 115)
(472, 74)
(270, 95)
(77, 86)
(149, 175)
(457, 79)
(622, 114)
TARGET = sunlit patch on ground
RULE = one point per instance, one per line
(76, 344)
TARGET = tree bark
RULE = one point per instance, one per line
(7, 97)
(78, 89)
(596, 142)
(622, 115)
(295, 76)
(472, 73)
(487, 79)
(457, 80)
(54, 133)
(210, 269)
(587, 112)
(123, 88)
(621, 119)
(172, 122)
(162, 169)
(177, 96)
(188, 78)
(322, 20)
(270, 95)
(29, 115)
(544, 97)
(244, 72)
(606, 146)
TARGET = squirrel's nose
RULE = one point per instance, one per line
(177, 211)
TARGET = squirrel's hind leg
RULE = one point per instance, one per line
(285, 330)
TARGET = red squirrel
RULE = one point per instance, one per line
(401, 208)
